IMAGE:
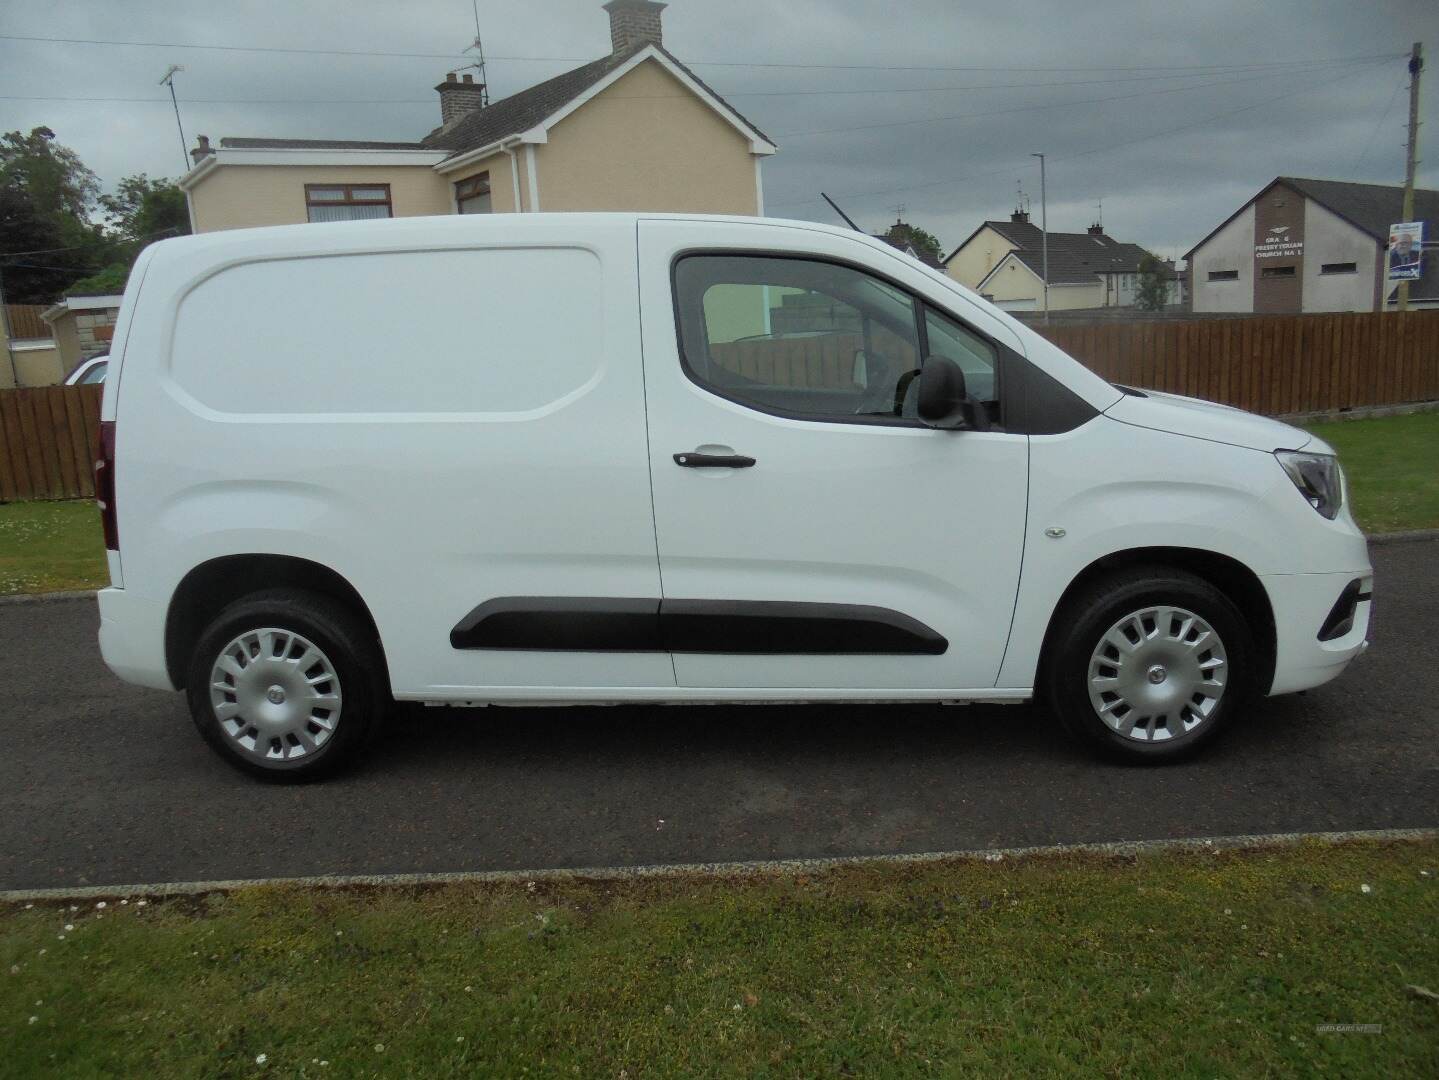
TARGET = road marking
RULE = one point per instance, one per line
(773, 867)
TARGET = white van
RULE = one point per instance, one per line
(543, 459)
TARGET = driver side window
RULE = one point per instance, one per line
(797, 336)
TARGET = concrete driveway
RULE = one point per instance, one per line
(101, 783)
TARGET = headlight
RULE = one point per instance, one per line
(1318, 478)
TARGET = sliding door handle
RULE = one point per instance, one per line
(693, 459)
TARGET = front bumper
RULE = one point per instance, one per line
(1303, 608)
(132, 638)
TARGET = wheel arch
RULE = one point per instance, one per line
(1227, 574)
(216, 583)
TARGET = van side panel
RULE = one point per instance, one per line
(441, 419)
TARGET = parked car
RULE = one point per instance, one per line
(89, 372)
(545, 459)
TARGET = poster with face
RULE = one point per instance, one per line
(1406, 250)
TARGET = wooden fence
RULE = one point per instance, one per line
(1275, 365)
(48, 439)
(1271, 364)
(24, 321)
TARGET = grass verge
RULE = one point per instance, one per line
(1176, 964)
(50, 547)
(1393, 467)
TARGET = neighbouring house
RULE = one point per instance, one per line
(1305, 245)
(1004, 262)
(82, 327)
(633, 130)
(28, 356)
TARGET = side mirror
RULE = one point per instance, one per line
(859, 371)
(942, 402)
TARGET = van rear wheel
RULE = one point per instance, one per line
(1150, 664)
(287, 685)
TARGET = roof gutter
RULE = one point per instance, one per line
(199, 171)
(469, 157)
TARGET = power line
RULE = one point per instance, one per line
(702, 63)
(870, 92)
(1028, 108)
(1378, 127)
(1217, 116)
(166, 231)
(1013, 167)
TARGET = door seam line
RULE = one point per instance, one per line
(649, 445)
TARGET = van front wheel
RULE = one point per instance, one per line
(286, 685)
(1149, 665)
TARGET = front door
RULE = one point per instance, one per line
(812, 532)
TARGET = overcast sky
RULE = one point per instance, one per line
(1206, 69)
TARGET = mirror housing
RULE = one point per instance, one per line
(942, 401)
(859, 369)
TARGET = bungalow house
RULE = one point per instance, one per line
(82, 326)
(1004, 262)
(633, 130)
(28, 356)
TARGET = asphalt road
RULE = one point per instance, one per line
(102, 783)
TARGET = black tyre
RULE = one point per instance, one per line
(287, 685)
(1149, 664)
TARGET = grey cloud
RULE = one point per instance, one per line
(1165, 192)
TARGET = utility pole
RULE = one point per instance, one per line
(5, 333)
(1044, 235)
(1411, 153)
(169, 80)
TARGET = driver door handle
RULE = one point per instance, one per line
(692, 459)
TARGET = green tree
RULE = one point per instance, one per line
(53, 174)
(902, 235)
(143, 210)
(1153, 291)
(47, 238)
(139, 212)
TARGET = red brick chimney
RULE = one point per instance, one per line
(634, 22)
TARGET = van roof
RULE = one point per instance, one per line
(387, 232)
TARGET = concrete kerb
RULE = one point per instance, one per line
(1363, 412)
(1404, 537)
(762, 868)
(47, 597)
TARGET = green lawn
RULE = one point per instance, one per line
(1163, 965)
(50, 546)
(1393, 469)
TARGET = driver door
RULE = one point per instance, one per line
(812, 532)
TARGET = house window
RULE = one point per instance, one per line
(472, 196)
(347, 202)
(1339, 268)
(1224, 275)
(1277, 271)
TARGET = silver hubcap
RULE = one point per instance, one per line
(276, 695)
(1157, 673)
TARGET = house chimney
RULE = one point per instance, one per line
(1096, 229)
(202, 149)
(1020, 217)
(634, 22)
(459, 97)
